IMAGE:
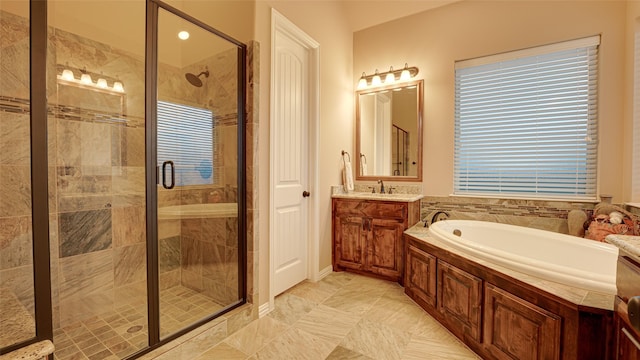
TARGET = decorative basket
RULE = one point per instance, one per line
(600, 226)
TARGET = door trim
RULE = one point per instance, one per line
(281, 24)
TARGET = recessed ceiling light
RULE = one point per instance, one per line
(183, 35)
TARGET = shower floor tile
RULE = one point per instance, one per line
(122, 331)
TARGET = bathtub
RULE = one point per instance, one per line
(570, 260)
(198, 211)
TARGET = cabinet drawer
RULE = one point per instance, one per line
(374, 209)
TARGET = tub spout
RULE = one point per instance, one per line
(436, 216)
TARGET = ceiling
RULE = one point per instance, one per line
(363, 14)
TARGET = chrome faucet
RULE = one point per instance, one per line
(381, 186)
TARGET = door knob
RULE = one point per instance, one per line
(306, 194)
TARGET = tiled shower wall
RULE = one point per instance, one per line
(96, 178)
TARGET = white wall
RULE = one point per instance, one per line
(434, 39)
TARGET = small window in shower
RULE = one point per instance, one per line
(185, 136)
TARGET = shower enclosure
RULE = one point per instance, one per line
(134, 218)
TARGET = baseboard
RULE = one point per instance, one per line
(264, 309)
(324, 273)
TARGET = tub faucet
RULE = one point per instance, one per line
(381, 186)
(434, 216)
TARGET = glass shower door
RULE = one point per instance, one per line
(197, 157)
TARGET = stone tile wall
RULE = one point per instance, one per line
(97, 183)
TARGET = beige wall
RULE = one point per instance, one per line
(632, 25)
(434, 39)
(325, 22)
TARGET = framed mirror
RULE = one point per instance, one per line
(389, 132)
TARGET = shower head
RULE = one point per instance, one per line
(195, 79)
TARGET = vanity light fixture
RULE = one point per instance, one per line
(390, 77)
(67, 76)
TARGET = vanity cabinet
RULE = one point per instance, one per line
(498, 316)
(367, 236)
(628, 283)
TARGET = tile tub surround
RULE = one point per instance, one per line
(574, 295)
(538, 214)
(343, 316)
(627, 243)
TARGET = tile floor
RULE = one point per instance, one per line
(123, 330)
(344, 316)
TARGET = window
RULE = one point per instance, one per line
(185, 136)
(525, 122)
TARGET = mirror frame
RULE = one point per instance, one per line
(419, 110)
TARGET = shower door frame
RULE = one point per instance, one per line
(152, 176)
(38, 38)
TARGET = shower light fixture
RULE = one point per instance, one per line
(66, 76)
(117, 86)
(102, 83)
(183, 35)
(86, 79)
(389, 77)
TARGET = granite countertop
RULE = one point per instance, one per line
(628, 243)
(575, 295)
(380, 197)
(402, 193)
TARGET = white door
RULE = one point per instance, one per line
(290, 140)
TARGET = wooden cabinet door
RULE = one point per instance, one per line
(420, 275)
(460, 300)
(517, 329)
(628, 344)
(350, 235)
(384, 248)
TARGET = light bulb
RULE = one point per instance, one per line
(363, 81)
(86, 79)
(117, 86)
(183, 35)
(102, 83)
(67, 75)
(405, 75)
(390, 78)
(376, 81)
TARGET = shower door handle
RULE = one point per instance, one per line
(164, 175)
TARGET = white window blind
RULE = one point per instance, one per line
(185, 136)
(525, 122)
(635, 184)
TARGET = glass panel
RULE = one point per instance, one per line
(97, 182)
(197, 139)
(17, 322)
